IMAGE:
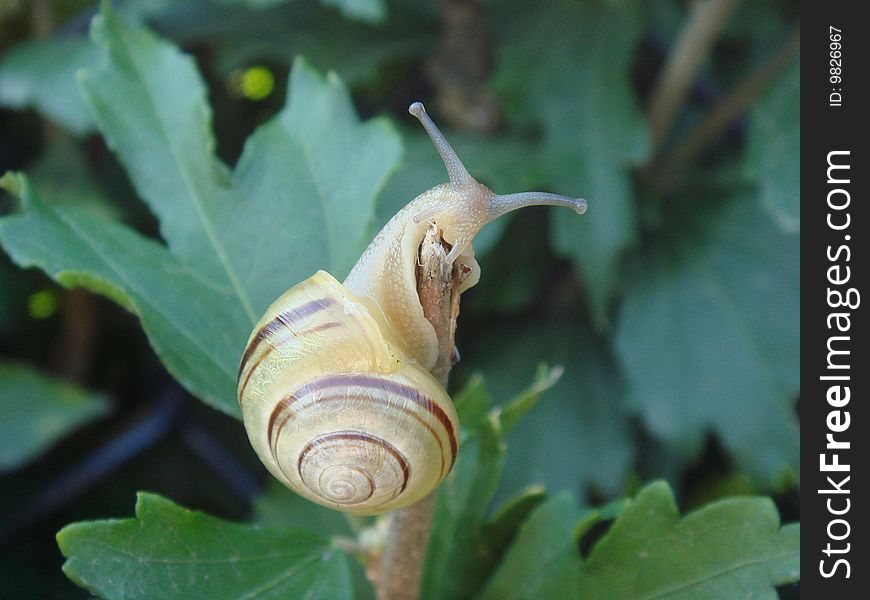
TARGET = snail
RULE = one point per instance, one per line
(334, 382)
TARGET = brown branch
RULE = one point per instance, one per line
(400, 568)
(41, 18)
(661, 176)
(705, 22)
(74, 347)
(460, 68)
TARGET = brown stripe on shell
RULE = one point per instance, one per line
(278, 411)
(268, 351)
(399, 389)
(365, 381)
(359, 437)
(290, 414)
(283, 319)
(283, 406)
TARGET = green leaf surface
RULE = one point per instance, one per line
(254, 4)
(300, 199)
(62, 174)
(242, 36)
(461, 507)
(464, 547)
(472, 402)
(369, 11)
(168, 551)
(568, 70)
(708, 334)
(774, 154)
(315, 160)
(372, 11)
(500, 529)
(578, 435)
(498, 533)
(516, 271)
(514, 410)
(733, 548)
(37, 411)
(311, 170)
(279, 507)
(543, 561)
(200, 347)
(149, 103)
(41, 75)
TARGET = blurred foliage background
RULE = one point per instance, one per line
(672, 304)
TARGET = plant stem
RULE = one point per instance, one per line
(400, 569)
(461, 67)
(74, 346)
(404, 554)
(41, 18)
(662, 175)
(706, 20)
(73, 349)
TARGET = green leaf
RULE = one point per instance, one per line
(253, 4)
(300, 199)
(168, 551)
(568, 69)
(279, 507)
(708, 334)
(498, 533)
(311, 170)
(510, 515)
(370, 11)
(461, 507)
(37, 411)
(464, 546)
(472, 402)
(199, 347)
(41, 75)
(240, 36)
(543, 561)
(773, 155)
(511, 413)
(149, 103)
(516, 271)
(733, 548)
(578, 435)
(61, 172)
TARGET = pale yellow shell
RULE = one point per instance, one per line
(336, 410)
(334, 383)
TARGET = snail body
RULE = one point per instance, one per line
(334, 383)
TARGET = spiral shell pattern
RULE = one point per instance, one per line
(336, 411)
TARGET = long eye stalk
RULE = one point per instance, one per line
(499, 205)
(455, 169)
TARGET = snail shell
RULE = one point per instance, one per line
(334, 383)
(337, 409)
